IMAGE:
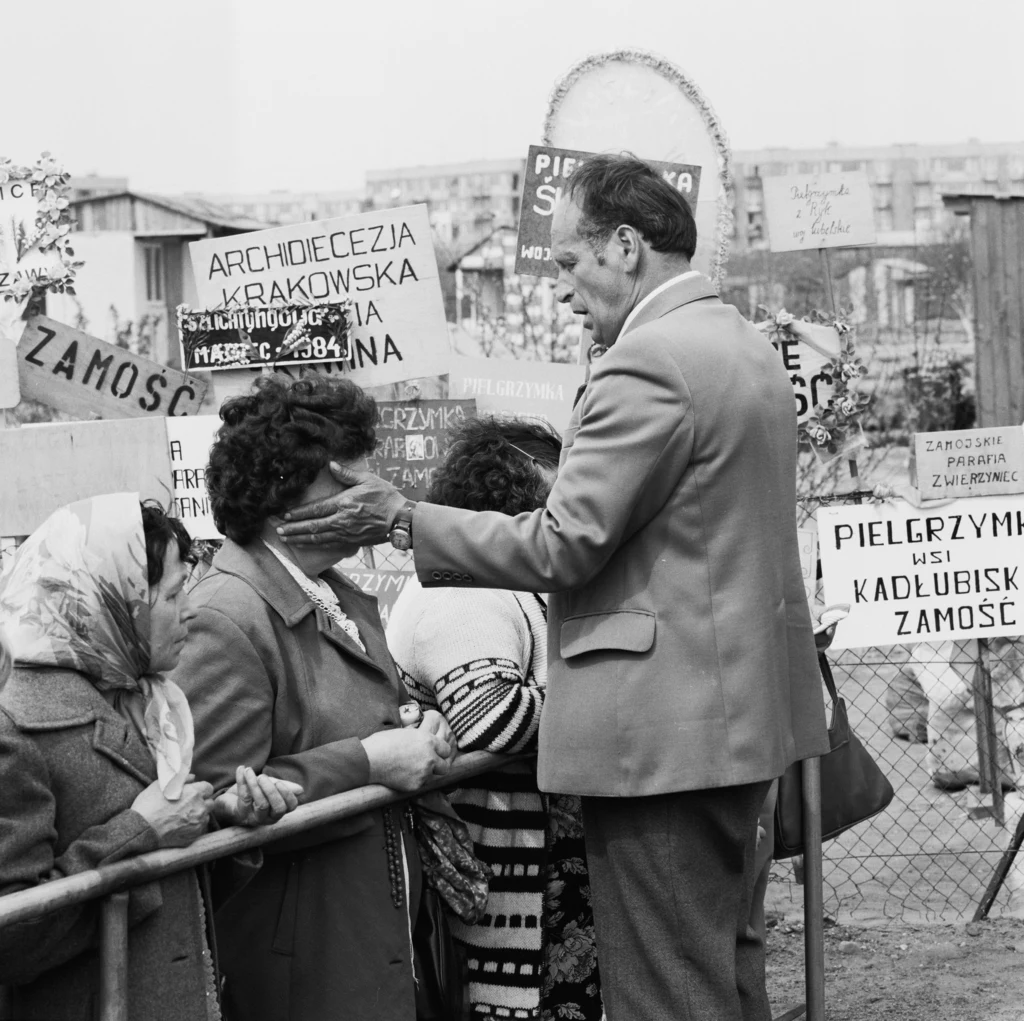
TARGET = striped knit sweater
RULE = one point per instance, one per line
(481, 658)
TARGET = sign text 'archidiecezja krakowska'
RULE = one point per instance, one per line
(382, 261)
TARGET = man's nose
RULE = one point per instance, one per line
(563, 290)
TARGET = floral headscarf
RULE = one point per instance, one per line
(77, 596)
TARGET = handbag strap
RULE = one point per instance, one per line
(826, 673)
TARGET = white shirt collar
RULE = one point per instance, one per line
(650, 297)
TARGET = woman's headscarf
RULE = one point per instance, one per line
(77, 597)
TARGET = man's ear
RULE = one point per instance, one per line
(629, 241)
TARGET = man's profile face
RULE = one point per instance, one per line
(595, 284)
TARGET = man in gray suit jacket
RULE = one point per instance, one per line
(683, 677)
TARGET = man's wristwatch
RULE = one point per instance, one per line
(400, 535)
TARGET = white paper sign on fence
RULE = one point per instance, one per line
(913, 575)
(383, 261)
(189, 440)
(807, 211)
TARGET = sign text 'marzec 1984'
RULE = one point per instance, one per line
(269, 335)
(924, 575)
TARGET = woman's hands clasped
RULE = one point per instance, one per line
(255, 800)
(251, 801)
(177, 823)
(405, 759)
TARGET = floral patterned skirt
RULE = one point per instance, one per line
(570, 986)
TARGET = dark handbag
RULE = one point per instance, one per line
(441, 972)
(853, 788)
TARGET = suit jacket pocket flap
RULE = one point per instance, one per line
(625, 630)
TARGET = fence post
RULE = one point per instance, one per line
(114, 957)
(814, 904)
(989, 770)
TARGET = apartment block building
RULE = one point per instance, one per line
(907, 183)
(466, 201)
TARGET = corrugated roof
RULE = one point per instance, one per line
(193, 206)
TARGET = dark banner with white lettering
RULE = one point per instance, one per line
(253, 336)
(412, 439)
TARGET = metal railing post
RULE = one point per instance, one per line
(114, 957)
(814, 903)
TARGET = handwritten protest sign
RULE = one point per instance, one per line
(263, 335)
(547, 173)
(385, 585)
(46, 466)
(383, 261)
(188, 443)
(968, 462)
(913, 575)
(807, 211)
(500, 385)
(70, 371)
(412, 439)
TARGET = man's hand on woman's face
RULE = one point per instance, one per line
(361, 515)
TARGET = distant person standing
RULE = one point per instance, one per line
(683, 676)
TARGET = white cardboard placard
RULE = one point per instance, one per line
(808, 211)
(383, 261)
(924, 575)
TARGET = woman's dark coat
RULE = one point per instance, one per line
(70, 768)
(273, 684)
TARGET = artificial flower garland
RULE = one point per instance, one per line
(834, 428)
(51, 187)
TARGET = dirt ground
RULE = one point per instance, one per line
(903, 972)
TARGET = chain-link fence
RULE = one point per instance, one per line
(932, 853)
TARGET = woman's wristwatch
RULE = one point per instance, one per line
(400, 534)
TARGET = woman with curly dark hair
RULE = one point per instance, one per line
(288, 671)
(480, 656)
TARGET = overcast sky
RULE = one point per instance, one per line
(251, 95)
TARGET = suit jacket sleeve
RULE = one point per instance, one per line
(634, 442)
(28, 835)
(232, 702)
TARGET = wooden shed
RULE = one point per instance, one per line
(997, 248)
(137, 268)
